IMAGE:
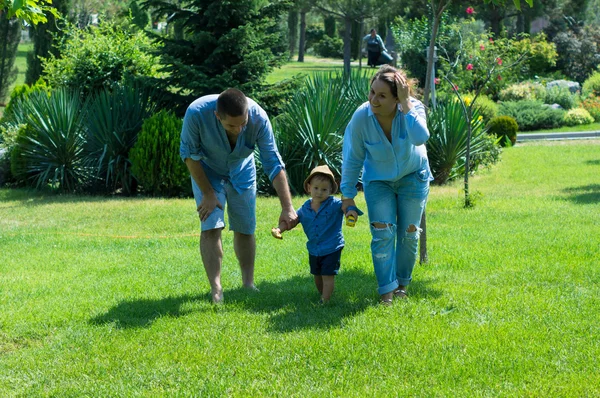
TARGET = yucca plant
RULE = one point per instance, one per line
(50, 150)
(310, 129)
(447, 146)
(115, 119)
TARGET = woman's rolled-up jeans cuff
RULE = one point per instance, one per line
(404, 282)
(390, 287)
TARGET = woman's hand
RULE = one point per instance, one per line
(403, 91)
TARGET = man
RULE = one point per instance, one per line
(218, 139)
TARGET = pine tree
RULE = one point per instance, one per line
(224, 44)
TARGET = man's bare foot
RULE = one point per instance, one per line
(251, 288)
(217, 296)
(276, 232)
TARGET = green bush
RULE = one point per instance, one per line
(532, 115)
(114, 121)
(592, 105)
(592, 85)
(503, 126)
(578, 116)
(487, 108)
(522, 91)
(8, 138)
(541, 55)
(561, 96)
(22, 92)
(97, 57)
(272, 97)
(330, 47)
(155, 160)
(447, 145)
(50, 150)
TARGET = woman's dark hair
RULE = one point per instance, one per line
(386, 75)
(232, 102)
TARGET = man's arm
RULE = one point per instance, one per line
(209, 198)
(288, 214)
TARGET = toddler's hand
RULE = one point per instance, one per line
(276, 232)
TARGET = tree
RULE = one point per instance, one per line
(223, 45)
(304, 6)
(293, 30)
(350, 11)
(43, 35)
(10, 35)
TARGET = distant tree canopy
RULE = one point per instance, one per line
(222, 44)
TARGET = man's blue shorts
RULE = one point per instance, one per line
(328, 264)
(241, 208)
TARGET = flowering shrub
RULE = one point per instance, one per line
(522, 91)
(578, 116)
(592, 105)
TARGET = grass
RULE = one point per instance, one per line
(568, 129)
(310, 65)
(108, 297)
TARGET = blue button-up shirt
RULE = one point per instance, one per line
(324, 227)
(366, 146)
(203, 138)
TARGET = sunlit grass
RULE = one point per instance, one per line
(108, 297)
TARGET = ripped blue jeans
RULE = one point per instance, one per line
(398, 205)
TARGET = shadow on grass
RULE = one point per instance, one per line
(586, 194)
(595, 162)
(142, 312)
(290, 304)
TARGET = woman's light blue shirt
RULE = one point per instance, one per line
(367, 149)
(203, 138)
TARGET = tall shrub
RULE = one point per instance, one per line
(114, 121)
(155, 160)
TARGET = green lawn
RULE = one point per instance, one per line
(108, 297)
(568, 129)
(311, 64)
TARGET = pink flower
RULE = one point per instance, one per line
(470, 10)
(454, 87)
(491, 40)
(436, 80)
(499, 60)
(499, 77)
(481, 47)
(470, 67)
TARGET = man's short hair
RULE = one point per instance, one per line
(232, 102)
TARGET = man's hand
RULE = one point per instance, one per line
(289, 217)
(207, 206)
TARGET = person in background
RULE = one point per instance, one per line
(385, 140)
(218, 138)
(375, 47)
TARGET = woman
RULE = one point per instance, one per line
(375, 47)
(386, 137)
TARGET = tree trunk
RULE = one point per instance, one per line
(430, 53)
(302, 43)
(347, 44)
(423, 242)
(293, 31)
